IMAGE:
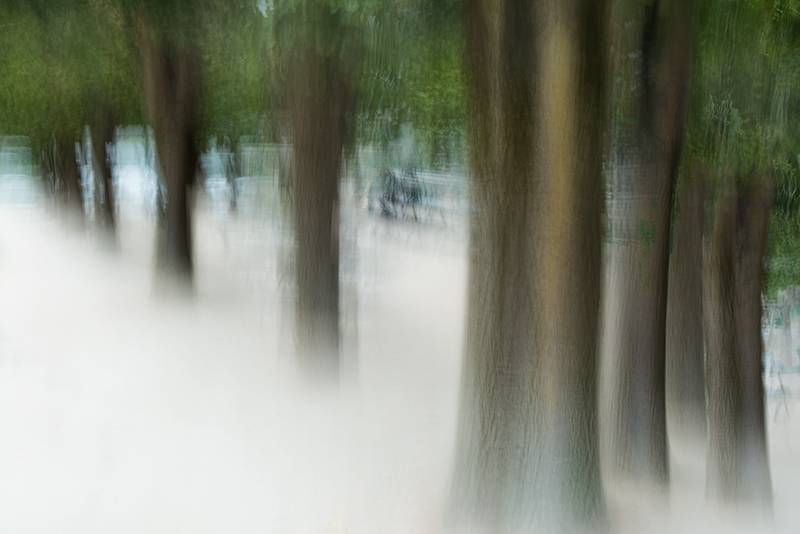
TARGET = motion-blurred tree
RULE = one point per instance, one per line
(654, 43)
(685, 350)
(739, 132)
(112, 96)
(527, 444)
(326, 54)
(320, 46)
(166, 37)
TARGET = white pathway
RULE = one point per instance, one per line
(120, 413)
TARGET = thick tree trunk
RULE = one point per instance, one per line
(102, 132)
(639, 410)
(686, 398)
(527, 445)
(321, 103)
(172, 75)
(737, 466)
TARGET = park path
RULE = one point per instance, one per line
(123, 413)
(120, 412)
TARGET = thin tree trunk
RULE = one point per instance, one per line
(172, 82)
(787, 355)
(102, 133)
(69, 178)
(527, 445)
(321, 103)
(286, 187)
(737, 465)
(48, 181)
(686, 398)
(231, 166)
(639, 408)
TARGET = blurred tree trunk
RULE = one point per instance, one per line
(639, 409)
(787, 299)
(323, 98)
(68, 177)
(737, 466)
(286, 186)
(102, 132)
(172, 79)
(48, 181)
(230, 166)
(232, 175)
(527, 444)
(686, 398)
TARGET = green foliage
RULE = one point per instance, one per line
(329, 29)
(408, 57)
(413, 74)
(783, 263)
(732, 80)
(59, 61)
(109, 65)
(745, 95)
(171, 20)
(22, 75)
(233, 40)
(438, 97)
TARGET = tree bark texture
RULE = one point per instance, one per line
(737, 466)
(527, 444)
(686, 397)
(323, 97)
(639, 425)
(172, 79)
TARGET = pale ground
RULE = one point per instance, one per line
(123, 413)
